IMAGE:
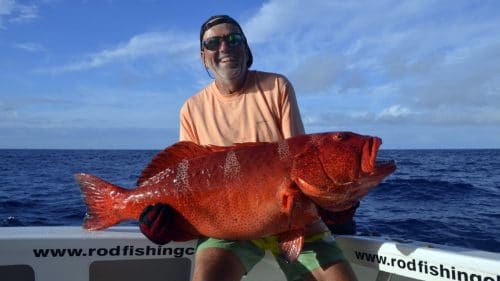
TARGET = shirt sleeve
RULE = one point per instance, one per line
(291, 122)
(186, 128)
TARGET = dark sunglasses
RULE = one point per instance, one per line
(232, 40)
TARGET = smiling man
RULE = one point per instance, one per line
(225, 53)
(243, 105)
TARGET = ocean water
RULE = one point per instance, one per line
(450, 197)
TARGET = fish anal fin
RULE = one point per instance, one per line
(290, 244)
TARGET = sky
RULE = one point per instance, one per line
(114, 74)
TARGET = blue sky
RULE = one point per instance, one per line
(114, 74)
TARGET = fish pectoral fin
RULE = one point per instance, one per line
(290, 244)
(287, 197)
(308, 188)
(333, 198)
(315, 193)
(287, 201)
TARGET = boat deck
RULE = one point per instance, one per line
(122, 253)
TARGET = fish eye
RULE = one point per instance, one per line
(339, 137)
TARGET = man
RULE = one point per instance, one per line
(246, 106)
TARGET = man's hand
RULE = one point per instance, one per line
(340, 222)
(154, 223)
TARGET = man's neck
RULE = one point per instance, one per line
(231, 87)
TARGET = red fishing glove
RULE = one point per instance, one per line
(154, 223)
(341, 222)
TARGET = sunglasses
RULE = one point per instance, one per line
(232, 40)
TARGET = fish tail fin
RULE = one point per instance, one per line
(101, 198)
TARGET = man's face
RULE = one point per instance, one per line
(227, 63)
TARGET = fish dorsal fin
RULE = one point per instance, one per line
(290, 244)
(175, 153)
(172, 155)
(237, 145)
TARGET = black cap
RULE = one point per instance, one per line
(215, 20)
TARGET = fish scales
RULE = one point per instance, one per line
(228, 191)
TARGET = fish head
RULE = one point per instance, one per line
(338, 169)
(347, 156)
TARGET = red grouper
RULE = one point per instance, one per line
(245, 191)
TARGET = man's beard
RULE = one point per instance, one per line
(227, 74)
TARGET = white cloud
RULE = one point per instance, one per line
(25, 13)
(316, 74)
(394, 111)
(415, 63)
(171, 45)
(30, 47)
(440, 62)
(6, 8)
(12, 12)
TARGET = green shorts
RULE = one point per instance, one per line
(319, 250)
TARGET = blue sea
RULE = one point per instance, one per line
(449, 197)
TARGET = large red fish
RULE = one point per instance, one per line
(245, 191)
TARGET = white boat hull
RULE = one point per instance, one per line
(122, 253)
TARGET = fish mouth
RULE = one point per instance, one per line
(384, 167)
(369, 174)
(371, 166)
(366, 182)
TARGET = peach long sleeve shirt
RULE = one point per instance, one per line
(264, 110)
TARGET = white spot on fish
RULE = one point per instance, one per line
(231, 166)
(138, 198)
(158, 177)
(283, 150)
(182, 176)
(316, 139)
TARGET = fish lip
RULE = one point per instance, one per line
(369, 155)
(384, 167)
(365, 182)
(374, 166)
